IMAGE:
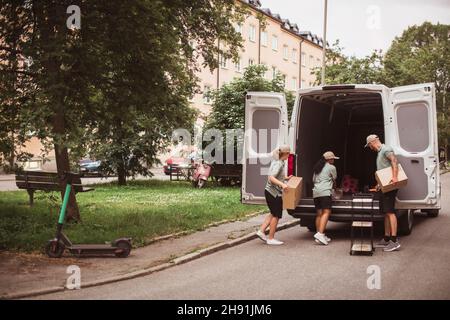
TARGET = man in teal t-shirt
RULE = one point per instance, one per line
(386, 158)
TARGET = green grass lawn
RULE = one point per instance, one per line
(142, 210)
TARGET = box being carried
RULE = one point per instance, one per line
(384, 176)
(293, 193)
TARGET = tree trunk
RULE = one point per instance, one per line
(63, 164)
(50, 21)
(121, 167)
(122, 173)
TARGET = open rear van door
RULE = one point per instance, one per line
(415, 142)
(266, 127)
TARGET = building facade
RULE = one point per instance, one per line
(276, 43)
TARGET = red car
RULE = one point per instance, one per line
(175, 161)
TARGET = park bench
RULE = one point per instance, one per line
(45, 181)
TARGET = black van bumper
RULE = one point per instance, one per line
(342, 210)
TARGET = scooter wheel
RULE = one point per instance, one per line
(54, 249)
(123, 249)
(201, 183)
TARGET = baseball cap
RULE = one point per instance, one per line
(370, 139)
(330, 155)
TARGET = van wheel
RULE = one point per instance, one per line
(405, 222)
(432, 213)
(308, 223)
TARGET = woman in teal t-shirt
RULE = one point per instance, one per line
(324, 178)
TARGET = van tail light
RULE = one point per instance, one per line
(291, 164)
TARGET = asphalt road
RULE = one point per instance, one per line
(301, 269)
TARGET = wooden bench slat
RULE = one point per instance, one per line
(45, 181)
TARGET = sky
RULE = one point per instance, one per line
(361, 25)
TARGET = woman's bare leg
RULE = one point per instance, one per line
(266, 222)
(318, 218)
(324, 220)
(273, 227)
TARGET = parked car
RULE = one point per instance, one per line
(88, 166)
(339, 118)
(175, 161)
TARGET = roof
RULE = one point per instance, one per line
(286, 24)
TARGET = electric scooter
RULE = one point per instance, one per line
(55, 248)
(201, 174)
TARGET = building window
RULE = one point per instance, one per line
(319, 64)
(251, 62)
(303, 59)
(294, 55)
(238, 28)
(294, 83)
(274, 72)
(267, 73)
(275, 43)
(264, 38)
(252, 33)
(303, 86)
(223, 62)
(238, 65)
(311, 61)
(284, 80)
(285, 52)
(206, 97)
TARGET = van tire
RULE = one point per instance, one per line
(308, 223)
(405, 222)
(432, 213)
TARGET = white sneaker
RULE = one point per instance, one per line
(274, 242)
(321, 238)
(261, 235)
(328, 240)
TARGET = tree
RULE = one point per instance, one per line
(228, 107)
(342, 69)
(129, 60)
(422, 54)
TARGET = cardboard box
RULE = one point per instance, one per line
(293, 194)
(384, 176)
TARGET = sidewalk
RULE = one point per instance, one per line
(26, 274)
(7, 177)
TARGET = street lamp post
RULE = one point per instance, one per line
(324, 44)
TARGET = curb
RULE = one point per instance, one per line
(214, 224)
(144, 272)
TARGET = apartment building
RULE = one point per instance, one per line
(277, 43)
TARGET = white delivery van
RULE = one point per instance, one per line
(339, 118)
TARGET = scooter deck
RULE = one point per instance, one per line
(92, 247)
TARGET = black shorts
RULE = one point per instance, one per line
(275, 204)
(322, 203)
(387, 201)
